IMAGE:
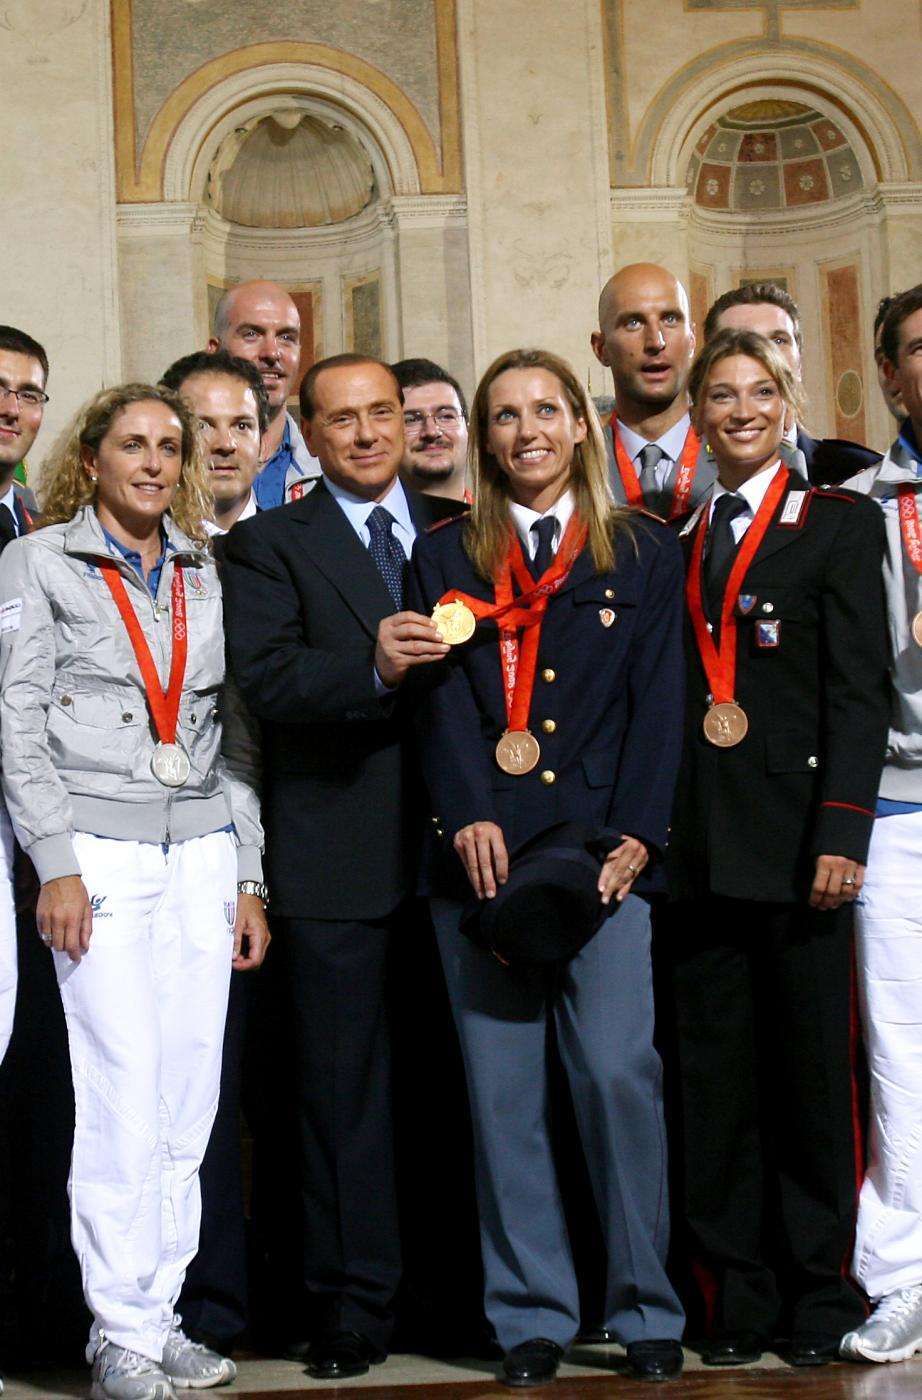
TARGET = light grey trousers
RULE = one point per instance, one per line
(602, 1006)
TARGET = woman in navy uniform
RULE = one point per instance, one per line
(786, 724)
(587, 730)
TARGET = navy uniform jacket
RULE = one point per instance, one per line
(811, 674)
(606, 707)
(832, 460)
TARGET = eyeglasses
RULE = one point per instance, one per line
(28, 397)
(414, 421)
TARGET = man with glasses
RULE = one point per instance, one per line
(23, 375)
(435, 427)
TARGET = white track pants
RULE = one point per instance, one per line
(145, 1010)
(7, 932)
(888, 929)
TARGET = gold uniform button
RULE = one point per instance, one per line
(66, 700)
(548, 725)
(548, 777)
(609, 593)
(548, 675)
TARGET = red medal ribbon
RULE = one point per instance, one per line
(523, 610)
(909, 524)
(163, 705)
(719, 662)
(685, 478)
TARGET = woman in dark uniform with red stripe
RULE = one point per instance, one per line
(786, 723)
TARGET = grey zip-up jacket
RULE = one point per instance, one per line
(75, 730)
(901, 780)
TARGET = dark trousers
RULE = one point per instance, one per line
(336, 974)
(763, 1002)
(213, 1302)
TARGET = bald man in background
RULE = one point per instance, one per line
(259, 321)
(647, 340)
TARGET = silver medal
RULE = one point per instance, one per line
(170, 765)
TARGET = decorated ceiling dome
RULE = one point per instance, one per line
(772, 154)
(290, 170)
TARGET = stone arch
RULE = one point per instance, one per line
(250, 82)
(879, 124)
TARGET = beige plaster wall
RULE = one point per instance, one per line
(536, 168)
(57, 213)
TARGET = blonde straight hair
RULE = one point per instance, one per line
(68, 485)
(489, 524)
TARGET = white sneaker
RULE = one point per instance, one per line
(120, 1374)
(193, 1366)
(893, 1332)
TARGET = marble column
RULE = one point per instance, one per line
(163, 291)
(57, 213)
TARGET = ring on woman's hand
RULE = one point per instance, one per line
(848, 882)
(46, 939)
(632, 869)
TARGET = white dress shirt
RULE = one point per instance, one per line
(752, 492)
(9, 500)
(357, 510)
(523, 518)
(248, 510)
(670, 444)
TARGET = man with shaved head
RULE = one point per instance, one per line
(259, 321)
(647, 340)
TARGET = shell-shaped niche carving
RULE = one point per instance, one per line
(290, 170)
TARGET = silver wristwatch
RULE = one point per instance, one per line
(254, 887)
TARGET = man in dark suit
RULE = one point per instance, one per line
(786, 723)
(320, 648)
(770, 310)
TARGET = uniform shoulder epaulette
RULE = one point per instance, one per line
(834, 494)
(650, 514)
(448, 520)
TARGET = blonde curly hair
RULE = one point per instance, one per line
(68, 486)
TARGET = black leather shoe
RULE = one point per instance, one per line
(533, 1362)
(338, 1355)
(736, 1350)
(813, 1350)
(658, 1360)
(595, 1336)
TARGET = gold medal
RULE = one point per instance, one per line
(517, 752)
(455, 622)
(725, 725)
(917, 629)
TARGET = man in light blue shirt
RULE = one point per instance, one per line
(259, 321)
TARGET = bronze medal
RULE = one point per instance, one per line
(917, 629)
(517, 752)
(725, 725)
(455, 622)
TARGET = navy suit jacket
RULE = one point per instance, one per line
(613, 694)
(830, 461)
(341, 805)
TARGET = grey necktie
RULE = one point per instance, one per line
(650, 458)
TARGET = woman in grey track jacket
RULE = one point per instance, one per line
(140, 828)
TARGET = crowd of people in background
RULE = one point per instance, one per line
(568, 753)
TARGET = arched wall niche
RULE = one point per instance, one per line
(255, 92)
(177, 253)
(834, 82)
(836, 258)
